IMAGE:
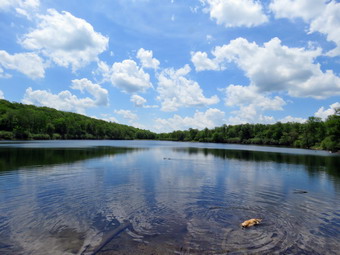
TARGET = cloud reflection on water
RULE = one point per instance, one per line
(182, 198)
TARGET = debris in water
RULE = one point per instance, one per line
(299, 191)
(250, 223)
(107, 237)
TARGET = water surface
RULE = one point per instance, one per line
(149, 197)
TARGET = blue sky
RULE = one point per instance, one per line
(165, 65)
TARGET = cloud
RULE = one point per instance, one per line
(324, 113)
(29, 64)
(131, 118)
(2, 96)
(252, 104)
(65, 100)
(5, 4)
(209, 119)
(202, 62)
(145, 56)
(106, 117)
(276, 67)
(328, 23)
(138, 100)
(292, 9)
(209, 39)
(141, 102)
(127, 114)
(231, 13)
(103, 70)
(23, 7)
(321, 15)
(237, 95)
(247, 114)
(128, 77)
(176, 91)
(67, 40)
(292, 119)
(100, 94)
(3, 74)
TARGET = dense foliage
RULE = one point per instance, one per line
(313, 134)
(19, 121)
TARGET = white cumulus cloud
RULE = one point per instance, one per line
(66, 39)
(29, 64)
(130, 117)
(23, 7)
(128, 77)
(5, 4)
(2, 96)
(138, 100)
(292, 119)
(232, 13)
(248, 114)
(141, 102)
(321, 15)
(328, 23)
(202, 62)
(65, 100)
(127, 114)
(100, 94)
(252, 104)
(324, 113)
(276, 67)
(292, 9)
(106, 117)
(209, 119)
(103, 70)
(237, 95)
(147, 60)
(175, 90)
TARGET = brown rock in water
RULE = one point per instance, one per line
(250, 223)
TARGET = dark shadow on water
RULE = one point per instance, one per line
(14, 158)
(313, 163)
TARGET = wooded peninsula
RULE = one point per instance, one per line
(28, 122)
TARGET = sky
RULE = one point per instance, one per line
(167, 65)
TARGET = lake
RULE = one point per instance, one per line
(152, 197)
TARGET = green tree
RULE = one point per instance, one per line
(313, 132)
(332, 140)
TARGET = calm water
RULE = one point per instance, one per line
(147, 197)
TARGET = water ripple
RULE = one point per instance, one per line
(194, 203)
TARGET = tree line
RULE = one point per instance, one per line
(313, 134)
(24, 122)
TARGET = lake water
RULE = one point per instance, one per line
(150, 197)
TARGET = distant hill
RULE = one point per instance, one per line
(23, 122)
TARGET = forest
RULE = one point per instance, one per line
(25, 122)
(313, 134)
